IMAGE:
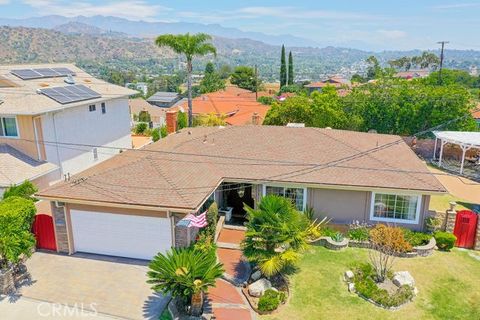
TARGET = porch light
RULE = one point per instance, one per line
(241, 191)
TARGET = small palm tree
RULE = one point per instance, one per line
(185, 273)
(189, 45)
(276, 234)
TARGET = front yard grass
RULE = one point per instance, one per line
(442, 203)
(448, 284)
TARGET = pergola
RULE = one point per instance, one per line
(466, 140)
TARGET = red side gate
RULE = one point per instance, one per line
(44, 232)
(465, 228)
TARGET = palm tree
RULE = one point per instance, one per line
(185, 273)
(189, 45)
(276, 234)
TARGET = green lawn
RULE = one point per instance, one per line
(448, 283)
(442, 203)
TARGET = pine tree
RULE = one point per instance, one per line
(290, 69)
(283, 69)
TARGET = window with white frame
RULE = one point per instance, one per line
(395, 208)
(8, 127)
(298, 196)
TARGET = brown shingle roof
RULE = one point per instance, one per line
(182, 170)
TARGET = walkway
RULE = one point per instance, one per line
(226, 300)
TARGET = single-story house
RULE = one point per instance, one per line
(133, 204)
(335, 81)
(138, 105)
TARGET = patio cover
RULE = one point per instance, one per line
(465, 139)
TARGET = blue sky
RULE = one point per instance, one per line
(383, 24)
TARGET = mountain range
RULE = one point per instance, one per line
(111, 42)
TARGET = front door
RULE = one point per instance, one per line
(237, 196)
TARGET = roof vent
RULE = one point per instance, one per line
(69, 79)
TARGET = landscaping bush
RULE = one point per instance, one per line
(328, 232)
(359, 234)
(205, 242)
(265, 100)
(338, 237)
(23, 190)
(445, 240)
(141, 127)
(16, 240)
(367, 287)
(269, 301)
(416, 238)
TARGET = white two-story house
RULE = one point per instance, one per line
(56, 120)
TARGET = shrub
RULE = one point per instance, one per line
(328, 232)
(366, 286)
(265, 100)
(338, 237)
(205, 243)
(416, 238)
(141, 127)
(156, 134)
(269, 301)
(359, 234)
(16, 219)
(144, 116)
(23, 190)
(212, 218)
(387, 242)
(309, 213)
(182, 120)
(445, 240)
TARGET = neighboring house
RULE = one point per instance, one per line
(164, 99)
(412, 74)
(140, 86)
(157, 115)
(476, 114)
(336, 81)
(238, 105)
(133, 204)
(58, 113)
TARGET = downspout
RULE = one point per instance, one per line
(56, 143)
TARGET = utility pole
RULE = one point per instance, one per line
(443, 43)
(256, 83)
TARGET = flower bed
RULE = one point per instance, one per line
(272, 299)
(389, 294)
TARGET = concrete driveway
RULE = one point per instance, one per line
(107, 286)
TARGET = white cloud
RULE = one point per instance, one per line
(4, 2)
(130, 9)
(392, 34)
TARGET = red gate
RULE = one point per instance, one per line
(44, 232)
(465, 228)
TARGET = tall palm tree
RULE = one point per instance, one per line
(185, 273)
(190, 45)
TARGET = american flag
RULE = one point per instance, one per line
(199, 221)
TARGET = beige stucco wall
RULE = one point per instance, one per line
(344, 206)
(26, 143)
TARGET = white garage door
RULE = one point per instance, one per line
(120, 235)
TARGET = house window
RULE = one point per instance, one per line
(95, 154)
(104, 108)
(395, 208)
(298, 196)
(8, 127)
(92, 108)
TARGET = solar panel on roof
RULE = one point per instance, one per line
(40, 73)
(69, 94)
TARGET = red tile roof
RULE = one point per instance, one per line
(239, 105)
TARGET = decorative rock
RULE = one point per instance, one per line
(351, 287)
(256, 275)
(274, 289)
(349, 275)
(402, 278)
(257, 288)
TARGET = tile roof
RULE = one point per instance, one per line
(237, 104)
(182, 170)
(16, 167)
(22, 97)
